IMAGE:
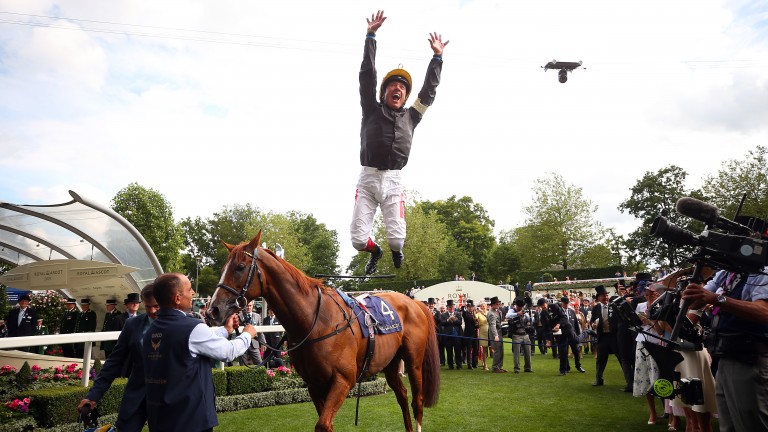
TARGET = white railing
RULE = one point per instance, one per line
(85, 339)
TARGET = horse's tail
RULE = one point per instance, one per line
(430, 368)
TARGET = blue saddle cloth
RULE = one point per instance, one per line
(385, 318)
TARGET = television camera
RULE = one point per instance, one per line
(734, 245)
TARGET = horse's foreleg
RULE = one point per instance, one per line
(396, 384)
(332, 402)
(318, 397)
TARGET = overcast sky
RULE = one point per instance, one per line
(214, 103)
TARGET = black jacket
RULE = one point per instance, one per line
(28, 322)
(385, 135)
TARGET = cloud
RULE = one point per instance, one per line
(257, 102)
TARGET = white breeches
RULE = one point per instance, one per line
(379, 188)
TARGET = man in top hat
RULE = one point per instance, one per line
(451, 323)
(132, 303)
(68, 325)
(569, 328)
(386, 133)
(21, 320)
(111, 314)
(471, 328)
(541, 324)
(605, 323)
(86, 323)
(494, 334)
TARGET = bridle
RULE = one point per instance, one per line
(240, 300)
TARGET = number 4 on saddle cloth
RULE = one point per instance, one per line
(374, 313)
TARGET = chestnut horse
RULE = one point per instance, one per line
(325, 336)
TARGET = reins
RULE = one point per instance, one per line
(241, 301)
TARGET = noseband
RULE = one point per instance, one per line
(240, 300)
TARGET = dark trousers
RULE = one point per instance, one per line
(552, 343)
(606, 345)
(453, 346)
(563, 342)
(68, 350)
(441, 348)
(471, 350)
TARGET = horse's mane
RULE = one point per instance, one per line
(306, 284)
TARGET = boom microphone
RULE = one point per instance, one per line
(698, 210)
(709, 214)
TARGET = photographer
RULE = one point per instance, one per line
(254, 353)
(519, 327)
(740, 340)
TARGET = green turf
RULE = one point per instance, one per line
(477, 400)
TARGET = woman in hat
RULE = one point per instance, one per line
(481, 315)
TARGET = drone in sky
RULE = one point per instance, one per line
(564, 68)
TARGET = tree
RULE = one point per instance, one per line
(560, 227)
(736, 177)
(152, 215)
(308, 245)
(322, 244)
(469, 225)
(654, 194)
(503, 260)
(430, 250)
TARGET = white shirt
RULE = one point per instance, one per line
(213, 342)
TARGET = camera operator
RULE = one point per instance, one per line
(740, 340)
(519, 326)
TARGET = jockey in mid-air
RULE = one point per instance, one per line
(385, 144)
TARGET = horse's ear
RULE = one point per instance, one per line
(256, 240)
(227, 245)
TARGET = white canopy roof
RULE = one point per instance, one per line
(75, 230)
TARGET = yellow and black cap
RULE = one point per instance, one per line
(398, 74)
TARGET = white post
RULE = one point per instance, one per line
(87, 346)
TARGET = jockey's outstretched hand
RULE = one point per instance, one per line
(376, 21)
(437, 44)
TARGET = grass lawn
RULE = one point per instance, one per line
(477, 400)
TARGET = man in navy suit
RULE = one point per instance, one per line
(178, 353)
(126, 357)
(21, 320)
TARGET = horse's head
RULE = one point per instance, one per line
(241, 281)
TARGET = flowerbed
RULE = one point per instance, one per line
(38, 398)
(15, 386)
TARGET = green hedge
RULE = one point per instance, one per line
(53, 409)
(245, 380)
(56, 405)
(219, 382)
